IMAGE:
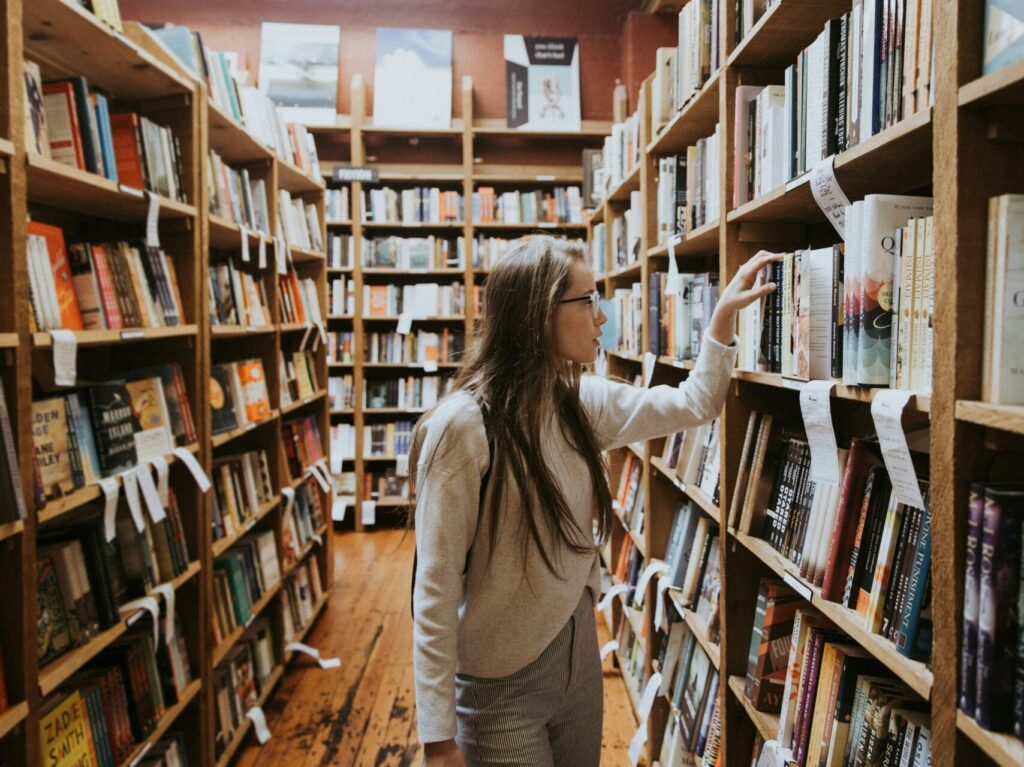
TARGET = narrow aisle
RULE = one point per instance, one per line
(363, 714)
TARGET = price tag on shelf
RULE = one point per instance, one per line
(608, 648)
(816, 408)
(111, 495)
(134, 191)
(314, 653)
(245, 244)
(306, 336)
(262, 251)
(166, 590)
(162, 480)
(404, 323)
(613, 592)
(887, 413)
(194, 468)
(149, 493)
(152, 221)
(316, 475)
(369, 512)
(131, 494)
(259, 724)
(828, 194)
(65, 357)
(322, 331)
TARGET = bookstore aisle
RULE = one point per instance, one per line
(364, 712)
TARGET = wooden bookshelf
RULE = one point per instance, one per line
(767, 725)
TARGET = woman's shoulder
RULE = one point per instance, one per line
(453, 432)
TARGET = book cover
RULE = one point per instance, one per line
(222, 405)
(11, 491)
(542, 83)
(86, 287)
(972, 574)
(298, 70)
(62, 123)
(114, 426)
(67, 300)
(149, 406)
(53, 634)
(254, 388)
(769, 675)
(124, 128)
(37, 136)
(412, 78)
(1004, 34)
(65, 735)
(1002, 379)
(52, 452)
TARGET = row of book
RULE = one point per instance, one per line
(238, 395)
(302, 593)
(244, 103)
(343, 297)
(108, 709)
(856, 541)
(703, 181)
(414, 253)
(597, 249)
(836, 703)
(242, 575)
(678, 319)
(560, 205)
(299, 222)
(694, 457)
(337, 206)
(387, 439)
(237, 296)
(341, 249)
(82, 579)
(991, 681)
(424, 346)
(386, 484)
(629, 497)
(422, 299)
(692, 554)
(339, 346)
(627, 231)
(418, 205)
(87, 434)
(242, 484)
(237, 197)
(624, 310)
(681, 72)
(303, 524)
(12, 497)
(109, 286)
(70, 123)
(411, 392)
(760, 159)
(302, 446)
(620, 154)
(341, 392)
(298, 374)
(299, 300)
(239, 681)
(343, 445)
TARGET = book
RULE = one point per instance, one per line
(542, 83)
(114, 426)
(12, 498)
(53, 634)
(65, 298)
(63, 124)
(149, 407)
(1002, 381)
(37, 135)
(1004, 35)
(222, 402)
(65, 735)
(769, 647)
(413, 78)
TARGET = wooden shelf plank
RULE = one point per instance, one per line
(1005, 749)
(702, 241)
(394, 318)
(920, 403)
(6, 148)
(302, 256)
(8, 340)
(223, 544)
(92, 338)
(629, 684)
(384, 271)
(624, 190)
(338, 222)
(1003, 87)
(220, 652)
(298, 404)
(694, 121)
(783, 32)
(243, 729)
(914, 673)
(692, 492)
(493, 173)
(544, 225)
(766, 724)
(12, 717)
(630, 271)
(62, 186)
(228, 436)
(232, 141)
(67, 39)
(371, 225)
(291, 179)
(627, 356)
(1009, 418)
(166, 721)
(227, 235)
(498, 127)
(891, 161)
(697, 626)
(10, 529)
(235, 331)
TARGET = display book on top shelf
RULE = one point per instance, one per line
(409, 239)
(160, 372)
(895, 160)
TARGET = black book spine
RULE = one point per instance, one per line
(777, 320)
(838, 309)
(842, 52)
(831, 80)
(910, 519)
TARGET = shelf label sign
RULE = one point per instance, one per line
(152, 218)
(816, 408)
(367, 174)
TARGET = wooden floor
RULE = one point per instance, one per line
(364, 712)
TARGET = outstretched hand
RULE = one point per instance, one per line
(744, 288)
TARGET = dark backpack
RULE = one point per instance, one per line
(484, 480)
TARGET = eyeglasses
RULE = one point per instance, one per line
(593, 298)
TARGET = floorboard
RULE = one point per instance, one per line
(363, 714)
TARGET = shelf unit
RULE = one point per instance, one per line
(970, 132)
(133, 69)
(471, 153)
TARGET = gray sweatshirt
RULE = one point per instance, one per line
(499, 617)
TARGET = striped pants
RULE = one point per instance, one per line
(548, 714)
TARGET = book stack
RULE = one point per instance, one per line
(622, 331)
(298, 300)
(12, 498)
(302, 593)
(626, 233)
(298, 222)
(72, 124)
(302, 445)
(415, 253)
(697, 55)
(836, 703)
(341, 391)
(238, 395)
(113, 705)
(386, 485)
(241, 486)
(419, 205)
(423, 299)
(88, 434)
(340, 250)
(760, 163)
(694, 457)
(692, 556)
(690, 682)
(561, 205)
(342, 297)
(237, 197)
(629, 498)
(298, 376)
(241, 679)
(237, 297)
(336, 205)
(678, 320)
(387, 439)
(303, 523)
(702, 181)
(339, 347)
(992, 651)
(107, 286)
(242, 575)
(343, 445)
(621, 153)
(1001, 381)
(410, 393)
(423, 346)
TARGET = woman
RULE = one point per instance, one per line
(506, 659)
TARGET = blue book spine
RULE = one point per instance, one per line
(106, 137)
(906, 638)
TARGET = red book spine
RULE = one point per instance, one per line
(127, 154)
(184, 407)
(108, 295)
(847, 520)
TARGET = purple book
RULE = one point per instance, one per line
(972, 557)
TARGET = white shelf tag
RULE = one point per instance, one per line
(111, 495)
(816, 408)
(369, 512)
(194, 468)
(167, 591)
(152, 221)
(131, 493)
(887, 413)
(259, 724)
(65, 357)
(312, 652)
(828, 194)
(609, 648)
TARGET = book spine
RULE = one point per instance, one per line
(972, 563)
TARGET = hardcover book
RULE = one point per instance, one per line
(542, 83)
(114, 426)
(412, 79)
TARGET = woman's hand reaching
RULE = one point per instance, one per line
(742, 290)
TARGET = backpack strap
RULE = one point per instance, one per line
(484, 481)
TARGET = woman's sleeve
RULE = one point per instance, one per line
(448, 490)
(623, 414)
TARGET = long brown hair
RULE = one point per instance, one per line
(512, 370)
